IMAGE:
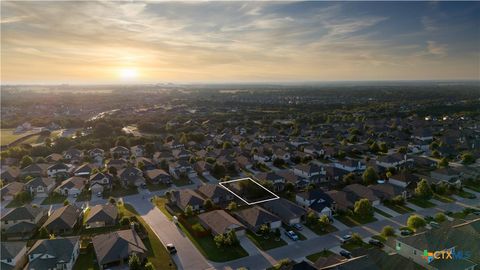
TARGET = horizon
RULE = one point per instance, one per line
(237, 42)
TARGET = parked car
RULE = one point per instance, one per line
(99, 194)
(406, 232)
(434, 224)
(144, 186)
(292, 235)
(298, 226)
(375, 242)
(346, 238)
(476, 213)
(171, 248)
(346, 254)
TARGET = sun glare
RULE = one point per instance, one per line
(128, 73)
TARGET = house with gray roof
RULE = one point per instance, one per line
(220, 222)
(71, 186)
(58, 253)
(21, 222)
(185, 197)
(64, 219)
(216, 193)
(11, 190)
(102, 215)
(290, 213)
(59, 169)
(113, 248)
(12, 255)
(131, 176)
(40, 187)
(254, 217)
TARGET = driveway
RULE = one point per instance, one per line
(387, 210)
(197, 181)
(210, 178)
(339, 225)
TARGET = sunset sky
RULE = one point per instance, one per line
(136, 42)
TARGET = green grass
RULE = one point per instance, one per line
(265, 244)
(464, 194)
(85, 261)
(158, 255)
(17, 202)
(472, 187)
(85, 195)
(350, 246)
(354, 220)
(119, 191)
(380, 238)
(182, 181)
(207, 246)
(155, 187)
(402, 209)
(443, 198)
(382, 213)
(54, 198)
(421, 202)
(314, 257)
(7, 135)
(319, 231)
(160, 203)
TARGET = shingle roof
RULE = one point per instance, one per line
(284, 208)
(106, 212)
(40, 182)
(256, 216)
(60, 248)
(112, 247)
(10, 250)
(63, 218)
(219, 221)
(21, 213)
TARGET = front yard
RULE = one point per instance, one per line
(85, 195)
(424, 203)
(464, 194)
(182, 181)
(155, 187)
(382, 213)
(319, 230)
(314, 257)
(160, 203)
(265, 244)
(54, 198)
(119, 191)
(402, 209)
(87, 260)
(443, 198)
(354, 220)
(351, 246)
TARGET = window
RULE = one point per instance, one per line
(414, 252)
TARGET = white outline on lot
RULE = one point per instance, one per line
(248, 178)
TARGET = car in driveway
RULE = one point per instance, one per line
(375, 242)
(171, 248)
(346, 254)
(298, 226)
(292, 235)
(406, 232)
(346, 238)
(434, 224)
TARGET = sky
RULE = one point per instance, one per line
(186, 42)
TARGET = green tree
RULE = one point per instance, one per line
(388, 231)
(189, 211)
(402, 150)
(468, 158)
(363, 208)
(443, 162)
(383, 147)
(264, 229)
(323, 222)
(348, 178)
(440, 217)
(134, 262)
(226, 145)
(66, 202)
(423, 189)
(48, 142)
(369, 176)
(415, 222)
(141, 165)
(43, 233)
(26, 161)
(149, 266)
(356, 239)
(312, 218)
(232, 206)
(208, 204)
(219, 240)
(150, 149)
(183, 139)
(374, 147)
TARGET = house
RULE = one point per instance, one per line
(97, 155)
(317, 200)
(159, 176)
(11, 190)
(115, 248)
(10, 174)
(403, 179)
(396, 160)
(185, 197)
(243, 162)
(461, 237)
(422, 134)
(314, 150)
(138, 150)
(174, 144)
(58, 170)
(290, 213)
(73, 154)
(216, 193)
(100, 182)
(72, 186)
(298, 142)
(53, 158)
(21, 222)
(281, 154)
(277, 180)
(148, 164)
(12, 255)
(290, 177)
(102, 216)
(33, 170)
(120, 152)
(179, 168)
(261, 157)
(310, 171)
(84, 170)
(181, 154)
(131, 176)
(63, 219)
(58, 253)
(362, 192)
(220, 222)
(333, 174)
(448, 175)
(350, 165)
(254, 217)
(202, 167)
(40, 187)
(387, 191)
(341, 200)
(116, 163)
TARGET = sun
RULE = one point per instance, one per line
(128, 74)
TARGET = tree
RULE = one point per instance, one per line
(183, 138)
(312, 218)
(402, 150)
(348, 178)
(423, 189)
(277, 233)
(232, 206)
(388, 231)
(48, 142)
(226, 145)
(150, 149)
(43, 233)
(363, 208)
(468, 158)
(398, 200)
(278, 162)
(383, 147)
(323, 222)
(102, 130)
(134, 262)
(356, 238)
(26, 161)
(149, 266)
(415, 222)
(443, 162)
(218, 170)
(370, 176)
(265, 229)
(374, 147)
(440, 217)
(168, 195)
(189, 210)
(208, 204)
(219, 239)
(66, 202)
(112, 170)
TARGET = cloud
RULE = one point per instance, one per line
(434, 48)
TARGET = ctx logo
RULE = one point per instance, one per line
(445, 255)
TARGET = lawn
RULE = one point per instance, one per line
(265, 244)
(379, 238)
(382, 213)
(54, 198)
(350, 246)
(314, 257)
(119, 191)
(464, 194)
(354, 220)
(155, 187)
(87, 260)
(158, 255)
(160, 203)
(318, 229)
(402, 209)
(473, 187)
(7, 135)
(85, 195)
(182, 181)
(443, 198)
(422, 202)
